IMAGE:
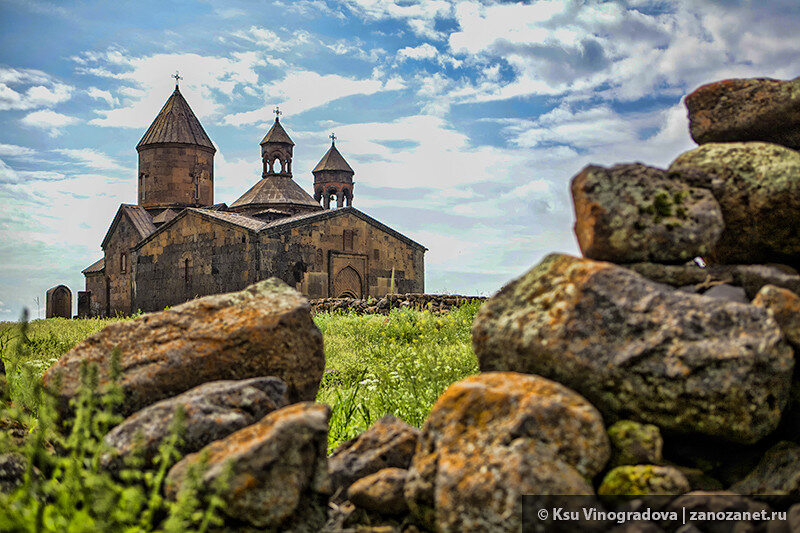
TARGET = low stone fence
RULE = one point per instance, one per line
(436, 303)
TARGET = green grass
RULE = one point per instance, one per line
(376, 364)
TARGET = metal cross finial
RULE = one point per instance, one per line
(332, 137)
(277, 112)
(177, 77)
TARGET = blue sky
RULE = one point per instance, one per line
(463, 120)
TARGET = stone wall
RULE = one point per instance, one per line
(309, 257)
(117, 270)
(96, 287)
(167, 175)
(437, 303)
(193, 257)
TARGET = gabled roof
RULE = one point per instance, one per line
(164, 216)
(274, 189)
(308, 218)
(333, 160)
(97, 266)
(277, 134)
(231, 219)
(176, 123)
(139, 218)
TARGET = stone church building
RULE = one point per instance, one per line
(176, 244)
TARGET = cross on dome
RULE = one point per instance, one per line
(332, 137)
(177, 77)
(277, 112)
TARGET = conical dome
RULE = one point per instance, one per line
(277, 134)
(176, 123)
(333, 160)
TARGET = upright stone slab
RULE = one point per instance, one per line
(638, 350)
(754, 109)
(264, 330)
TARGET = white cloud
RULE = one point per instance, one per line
(12, 150)
(91, 158)
(48, 120)
(420, 15)
(23, 89)
(423, 51)
(303, 90)
(99, 94)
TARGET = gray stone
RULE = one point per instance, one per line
(381, 492)
(777, 474)
(728, 293)
(212, 411)
(686, 363)
(757, 186)
(630, 213)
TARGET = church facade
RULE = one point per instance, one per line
(176, 244)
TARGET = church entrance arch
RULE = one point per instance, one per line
(347, 283)
(347, 275)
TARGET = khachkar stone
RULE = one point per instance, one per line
(641, 351)
(756, 109)
(634, 213)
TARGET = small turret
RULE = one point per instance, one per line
(333, 178)
(276, 150)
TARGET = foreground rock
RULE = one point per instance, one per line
(699, 503)
(628, 481)
(636, 350)
(389, 443)
(757, 186)
(756, 109)
(752, 278)
(264, 330)
(631, 213)
(381, 492)
(494, 436)
(278, 477)
(784, 306)
(633, 443)
(778, 474)
(212, 411)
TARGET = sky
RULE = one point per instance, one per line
(463, 120)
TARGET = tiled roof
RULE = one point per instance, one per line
(139, 218)
(274, 189)
(97, 266)
(333, 160)
(306, 218)
(232, 218)
(176, 123)
(277, 134)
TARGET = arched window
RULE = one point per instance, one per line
(186, 272)
(123, 263)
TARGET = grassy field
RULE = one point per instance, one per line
(376, 364)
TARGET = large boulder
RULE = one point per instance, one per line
(631, 213)
(264, 330)
(389, 443)
(757, 186)
(638, 350)
(784, 306)
(210, 412)
(755, 109)
(495, 436)
(275, 470)
(381, 492)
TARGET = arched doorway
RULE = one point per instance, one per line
(347, 284)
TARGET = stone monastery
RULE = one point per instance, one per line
(176, 244)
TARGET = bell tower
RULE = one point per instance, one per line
(176, 158)
(276, 150)
(333, 179)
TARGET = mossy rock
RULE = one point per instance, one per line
(629, 481)
(633, 443)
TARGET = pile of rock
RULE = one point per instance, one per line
(635, 371)
(435, 303)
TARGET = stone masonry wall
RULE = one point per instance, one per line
(307, 256)
(122, 240)
(167, 176)
(194, 257)
(436, 303)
